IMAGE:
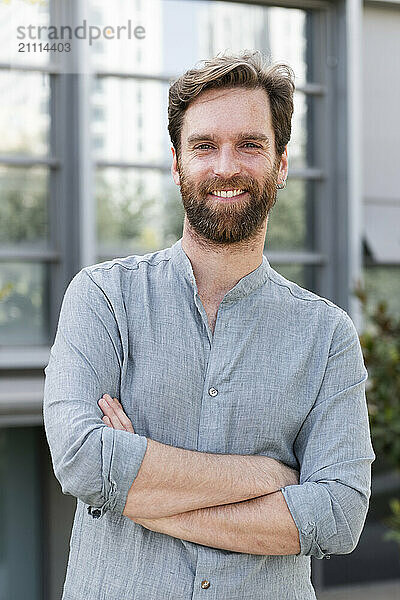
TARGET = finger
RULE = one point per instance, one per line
(122, 416)
(119, 411)
(115, 422)
(110, 413)
(107, 421)
(113, 409)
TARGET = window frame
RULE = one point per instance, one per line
(72, 242)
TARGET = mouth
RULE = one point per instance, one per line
(228, 195)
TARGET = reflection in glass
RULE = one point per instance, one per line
(123, 51)
(129, 120)
(287, 225)
(138, 211)
(23, 204)
(23, 304)
(178, 34)
(15, 18)
(297, 147)
(24, 115)
(141, 210)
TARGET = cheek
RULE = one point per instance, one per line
(199, 164)
(257, 164)
(196, 171)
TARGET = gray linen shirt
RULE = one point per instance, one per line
(290, 379)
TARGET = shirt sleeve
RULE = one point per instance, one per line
(92, 462)
(334, 450)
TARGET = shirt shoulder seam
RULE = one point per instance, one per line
(132, 268)
(316, 299)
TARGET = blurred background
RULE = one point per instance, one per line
(85, 177)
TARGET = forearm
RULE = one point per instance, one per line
(173, 480)
(262, 525)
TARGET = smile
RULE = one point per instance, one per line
(228, 194)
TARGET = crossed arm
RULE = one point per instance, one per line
(231, 502)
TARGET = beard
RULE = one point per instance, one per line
(228, 222)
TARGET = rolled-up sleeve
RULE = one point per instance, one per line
(92, 462)
(334, 450)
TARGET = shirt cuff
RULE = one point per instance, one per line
(310, 505)
(122, 456)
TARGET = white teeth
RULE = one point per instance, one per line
(228, 194)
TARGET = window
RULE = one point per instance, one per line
(25, 172)
(199, 25)
(123, 200)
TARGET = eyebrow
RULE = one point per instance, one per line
(199, 137)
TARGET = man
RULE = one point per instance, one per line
(230, 380)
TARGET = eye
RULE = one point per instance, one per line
(202, 148)
(252, 144)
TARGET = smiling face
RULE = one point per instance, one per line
(228, 146)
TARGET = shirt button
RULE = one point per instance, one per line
(205, 584)
(213, 392)
(96, 513)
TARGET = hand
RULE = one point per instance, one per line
(114, 415)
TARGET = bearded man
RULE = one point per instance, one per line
(231, 439)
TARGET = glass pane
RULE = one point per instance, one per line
(24, 115)
(129, 120)
(291, 272)
(16, 17)
(135, 41)
(182, 33)
(23, 304)
(287, 225)
(383, 283)
(23, 204)
(297, 147)
(21, 538)
(141, 209)
(137, 211)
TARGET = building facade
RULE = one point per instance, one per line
(85, 177)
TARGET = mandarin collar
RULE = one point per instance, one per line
(244, 286)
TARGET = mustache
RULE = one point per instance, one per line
(225, 184)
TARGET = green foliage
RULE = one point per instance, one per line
(174, 214)
(287, 221)
(381, 348)
(121, 210)
(22, 304)
(5, 290)
(394, 522)
(23, 206)
(130, 217)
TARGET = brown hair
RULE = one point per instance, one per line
(249, 70)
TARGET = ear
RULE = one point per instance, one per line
(283, 167)
(174, 167)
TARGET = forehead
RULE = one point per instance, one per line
(224, 112)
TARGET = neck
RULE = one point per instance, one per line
(218, 267)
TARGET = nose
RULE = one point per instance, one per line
(226, 163)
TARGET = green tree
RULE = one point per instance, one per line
(380, 342)
(23, 206)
